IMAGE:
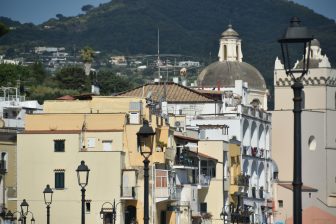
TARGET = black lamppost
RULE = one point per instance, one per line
(48, 193)
(145, 141)
(296, 36)
(24, 210)
(32, 220)
(83, 179)
(10, 216)
(3, 171)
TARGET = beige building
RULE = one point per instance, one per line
(8, 179)
(102, 132)
(318, 140)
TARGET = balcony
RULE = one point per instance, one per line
(167, 193)
(185, 160)
(242, 180)
(129, 193)
(204, 180)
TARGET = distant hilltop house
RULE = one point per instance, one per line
(118, 60)
(188, 64)
(9, 61)
(40, 50)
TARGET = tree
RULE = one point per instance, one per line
(10, 74)
(3, 29)
(87, 8)
(111, 83)
(59, 16)
(73, 78)
(87, 55)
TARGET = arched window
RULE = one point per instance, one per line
(312, 143)
(237, 53)
(225, 52)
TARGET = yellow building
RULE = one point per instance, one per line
(102, 132)
(8, 179)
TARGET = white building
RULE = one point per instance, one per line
(14, 107)
(243, 94)
(318, 140)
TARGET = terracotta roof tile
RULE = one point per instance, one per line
(175, 93)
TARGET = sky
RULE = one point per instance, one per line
(39, 11)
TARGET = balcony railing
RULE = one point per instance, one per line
(129, 192)
(171, 193)
(184, 160)
(175, 193)
(204, 180)
(242, 180)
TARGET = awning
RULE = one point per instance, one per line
(305, 188)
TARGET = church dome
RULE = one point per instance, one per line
(315, 42)
(225, 73)
(229, 32)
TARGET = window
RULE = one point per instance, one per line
(59, 145)
(203, 207)
(88, 206)
(91, 142)
(107, 145)
(280, 203)
(208, 168)
(312, 143)
(59, 179)
(3, 161)
(225, 52)
(161, 177)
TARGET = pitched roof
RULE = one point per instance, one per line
(175, 93)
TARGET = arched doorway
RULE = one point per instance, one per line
(130, 215)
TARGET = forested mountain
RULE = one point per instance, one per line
(190, 27)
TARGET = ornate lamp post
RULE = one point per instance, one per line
(3, 171)
(48, 193)
(296, 36)
(24, 210)
(145, 142)
(83, 179)
(32, 220)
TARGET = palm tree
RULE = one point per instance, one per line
(87, 55)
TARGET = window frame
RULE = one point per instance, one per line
(58, 148)
(59, 185)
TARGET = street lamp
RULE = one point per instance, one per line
(10, 216)
(48, 193)
(32, 220)
(145, 137)
(83, 179)
(3, 171)
(296, 36)
(24, 210)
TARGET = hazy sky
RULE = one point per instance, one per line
(38, 11)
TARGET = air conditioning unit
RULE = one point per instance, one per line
(180, 126)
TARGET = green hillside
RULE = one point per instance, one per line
(190, 27)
